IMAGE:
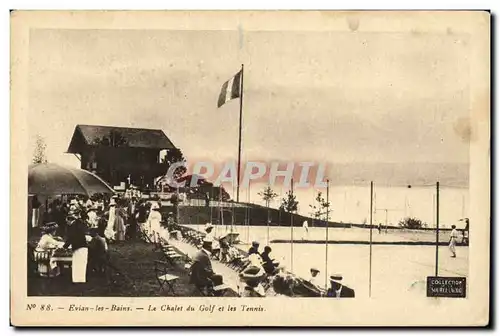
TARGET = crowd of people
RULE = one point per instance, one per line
(83, 227)
(261, 275)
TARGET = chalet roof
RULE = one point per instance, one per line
(133, 137)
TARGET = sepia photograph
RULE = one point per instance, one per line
(180, 162)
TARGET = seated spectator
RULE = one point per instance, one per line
(233, 253)
(254, 248)
(202, 274)
(314, 273)
(256, 260)
(48, 240)
(311, 288)
(268, 263)
(337, 290)
(224, 249)
(283, 284)
(48, 243)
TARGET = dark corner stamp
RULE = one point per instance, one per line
(452, 287)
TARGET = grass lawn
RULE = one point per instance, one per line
(134, 276)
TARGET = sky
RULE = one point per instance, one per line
(347, 98)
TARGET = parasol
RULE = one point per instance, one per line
(52, 179)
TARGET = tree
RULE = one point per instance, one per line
(268, 195)
(320, 208)
(39, 153)
(174, 156)
(412, 223)
(289, 203)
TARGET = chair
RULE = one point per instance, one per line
(171, 257)
(174, 234)
(145, 236)
(42, 258)
(244, 264)
(165, 280)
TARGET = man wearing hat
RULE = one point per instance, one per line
(201, 269)
(77, 240)
(337, 289)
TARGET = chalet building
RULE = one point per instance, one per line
(120, 154)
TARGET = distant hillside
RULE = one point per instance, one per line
(400, 174)
(258, 215)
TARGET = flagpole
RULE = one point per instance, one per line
(239, 137)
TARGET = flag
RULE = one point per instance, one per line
(230, 89)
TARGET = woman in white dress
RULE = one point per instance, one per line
(155, 218)
(48, 243)
(109, 233)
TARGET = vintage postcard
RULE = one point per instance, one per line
(250, 168)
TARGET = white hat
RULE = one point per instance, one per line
(112, 202)
(336, 278)
(252, 275)
(208, 226)
(155, 206)
(73, 202)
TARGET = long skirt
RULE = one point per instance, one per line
(79, 267)
(120, 233)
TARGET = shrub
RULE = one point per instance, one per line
(411, 223)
